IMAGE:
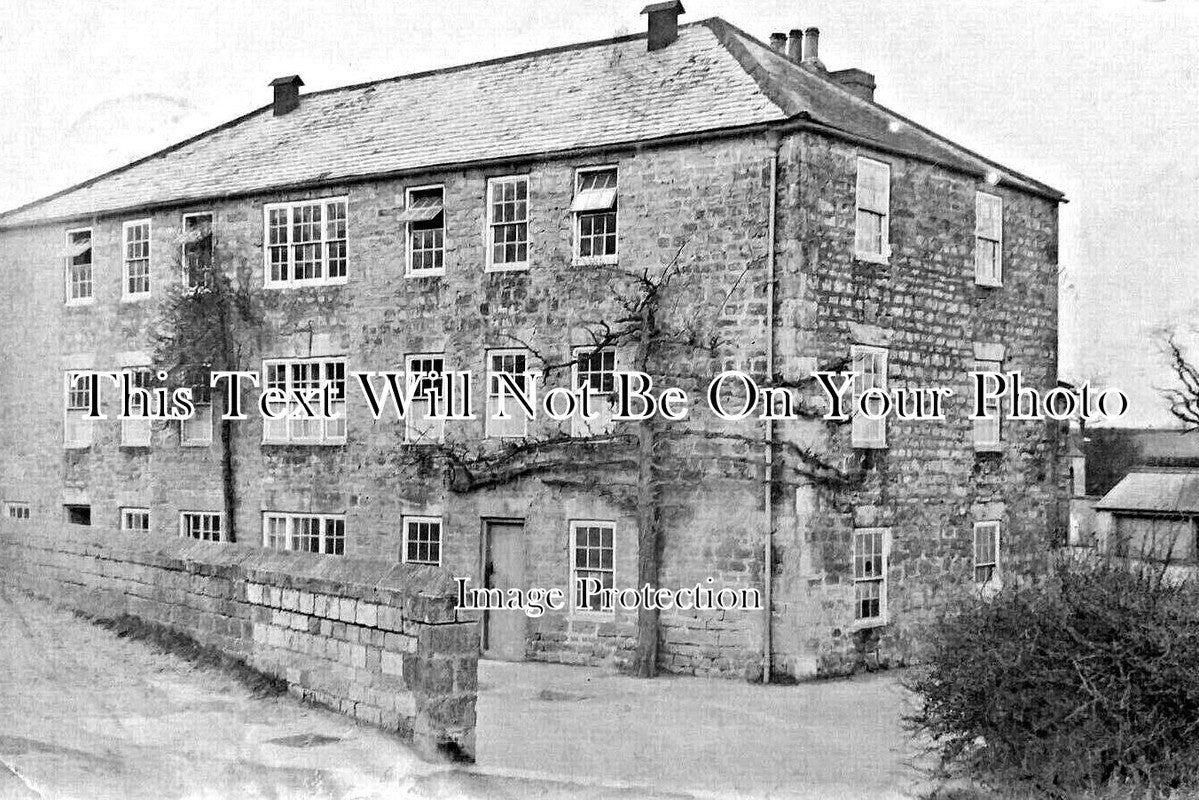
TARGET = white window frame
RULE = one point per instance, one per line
(289, 539)
(289, 281)
(90, 297)
(572, 555)
(882, 578)
(492, 225)
(430, 431)
(994, 579)
(205, 516)
(76, 418)
(607, 258)
(128, 512)
(407, 522)
(599, 422)
(983, 237)
(137, 432)
(185, 278)
(517, 424)
(409, 269)
(17, 509)
(987, 434)
(862, 204)
(202, 418)
(126, 294)
(866, 433)
(333, 432)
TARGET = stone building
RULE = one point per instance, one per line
(499, 217)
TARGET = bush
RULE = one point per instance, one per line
(1082, 682)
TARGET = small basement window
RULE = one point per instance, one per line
(78, 514)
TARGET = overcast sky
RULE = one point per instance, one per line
(1100, 99)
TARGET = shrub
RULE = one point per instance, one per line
(1078, 683)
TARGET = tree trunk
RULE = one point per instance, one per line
(649, 513)
(229, 480)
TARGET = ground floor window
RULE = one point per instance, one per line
(986, 552)
(78, 514)
(592, 552)
(871, 551)
(135, 519)
(422, 540)
(14, 509)
(306, 533)
(203, 525)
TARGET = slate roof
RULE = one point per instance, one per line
(1157, 491)
(598, 94)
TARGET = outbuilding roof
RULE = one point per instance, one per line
(600, 94)
(1155, 492)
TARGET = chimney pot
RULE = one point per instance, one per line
(795, 44)
(778, 42)
(811, 44)
(663, 23)
(287, 94)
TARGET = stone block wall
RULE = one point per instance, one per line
(379, 642)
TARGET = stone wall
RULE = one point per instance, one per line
(379, 642)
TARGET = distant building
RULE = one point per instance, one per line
(474, 218)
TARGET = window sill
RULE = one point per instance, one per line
(988, 284)
(866, 624)
(280, 443)
(519, 267)
(284, 285)
(988, 449)
(84, 303)
(868, 446)
(577, 615)
(873, 258)
(594, 261)
(425, 273)
(77, 446)
(135, 298)
(198, 445)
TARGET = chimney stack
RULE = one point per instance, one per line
(778, 42)
(287, 94)
(811, 47)
(795, 44)
(858, 81)
(663, 23)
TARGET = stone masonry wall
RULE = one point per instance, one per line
(379, 642)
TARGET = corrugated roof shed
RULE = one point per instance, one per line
(1160, 492)
(598, 94)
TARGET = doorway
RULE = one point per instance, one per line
(504, 632)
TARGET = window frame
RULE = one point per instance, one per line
(490, 226)
(325, 439)
(410, 381)
(70, 377)
(882, 578)
(185, 277)
(572, 556)
(982, 445)
(323, 536)
(409, 270)
(579, 425)
(220, 528)
(577, 223)
(517, 417)
(996, 280)
(291, 282)
(884, 254)
(128, 425)
(994, 579)
(128, 296)
(126, 512)
(860, 425)
(23, 510)
(90, 299)
(417, 519)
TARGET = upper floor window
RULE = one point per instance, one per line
(594, 208)
(136, 270)
(422, 540)
(986, 552)
(424, 215)
(135, 432)
(872, 242)
(508, 223)
(515, 364)
(594, 373)
(988, 239)
(424, 376)
(79, 267)
(203, 525)
(870, 372)
(300, 422)
(306, 533)
(196, 430)
(77, 426)
(871, 554)
(306, 243)
(988, 430)
(197, 250)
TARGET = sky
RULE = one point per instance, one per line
(1099, 98)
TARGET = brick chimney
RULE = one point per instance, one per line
(778, 42)
(858, 81)
(663, 23)
(811, 48)
(287, 94)
(795, 45)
